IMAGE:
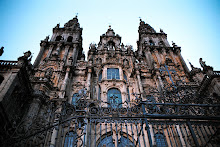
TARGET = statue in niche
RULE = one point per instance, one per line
(126, 63)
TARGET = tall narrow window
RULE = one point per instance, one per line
(114, 97)
(58, 38)
(100, 76)
(160, 140)
(128, 94)
(70, 39)
(70, 140)
(99, 93)
(75, 98)
(113, 73)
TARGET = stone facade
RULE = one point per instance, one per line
(100, 99)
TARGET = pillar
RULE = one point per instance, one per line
(89, 81)
(66, 53)
(50, 50)
(140, 84)
(39, 56)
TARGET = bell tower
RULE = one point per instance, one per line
(164, 62)
(57, 58)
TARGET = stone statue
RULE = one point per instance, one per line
(47, 38)
(161, 31)
(202, 63)
(1, 50)
(58, 26)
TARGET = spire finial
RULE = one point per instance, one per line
(109, 26)
(76, 15)
(190, 64)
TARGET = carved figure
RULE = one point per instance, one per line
(202, 63)
(47, 38)
(1, 50)
(58, 26)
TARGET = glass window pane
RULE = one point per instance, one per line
(114, 97)
(113, 73)
(75, 98)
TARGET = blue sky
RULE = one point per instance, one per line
(191, 24)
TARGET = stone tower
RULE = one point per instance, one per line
(117, 97)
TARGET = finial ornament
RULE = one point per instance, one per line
(109, 26)
(47, 38)
(57, 26)
(1, 50)
(204, 66)
(191, 64)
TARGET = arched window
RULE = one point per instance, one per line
(114, 97)
(151, 42)
(160, 140)
(70, 139)
(1, 79)
(58, 38)
(122, 142)
(70, 39)
(75, 98)
(113, 73)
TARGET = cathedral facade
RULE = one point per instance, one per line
(117, 97)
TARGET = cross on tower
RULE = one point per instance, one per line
(169, 72)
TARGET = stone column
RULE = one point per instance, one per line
(50, 50)
(66, 53)
(57, 52)
(74, 55)
(182, 60)
(39, 56)
(149, 57)
(139, 83)
(121, 73)
(34, 108)
(164, 55)
(157, 55)
(160, 80)
(172, 55)
(89, 81)
(65, 81)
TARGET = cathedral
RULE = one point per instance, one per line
(118, 97)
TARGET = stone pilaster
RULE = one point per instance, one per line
(149, 58)
(50, 51)
(65, 81)
(66, 53)
(39, 56)
(139, 83)
(157, 56)
(89, 80)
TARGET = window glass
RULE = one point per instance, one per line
(160, 140)
(100, 76)
(70, 140)
(113, 73)
(75, 98)
(99, 93)
(114, 97)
